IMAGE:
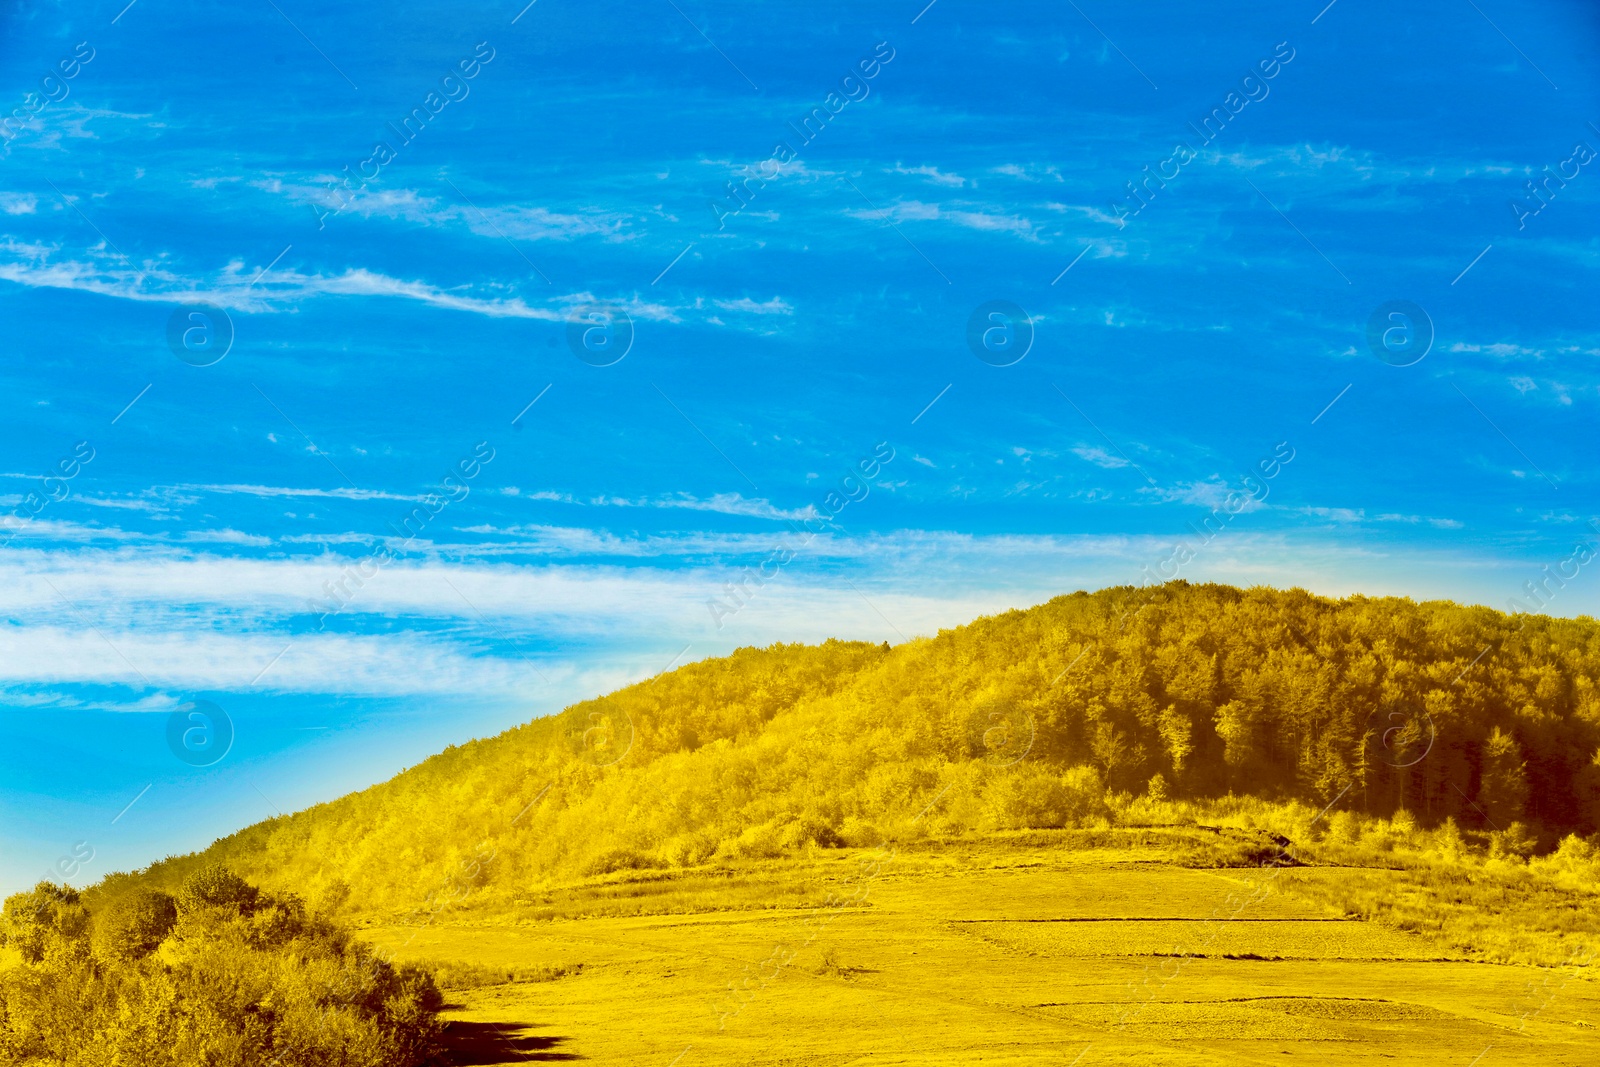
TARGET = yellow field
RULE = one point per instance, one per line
(999, 955)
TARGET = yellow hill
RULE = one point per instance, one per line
(1035, 718)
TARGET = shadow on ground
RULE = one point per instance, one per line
(468, 1044)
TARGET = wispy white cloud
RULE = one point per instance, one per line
(1436, 523)
(77, 701)
(933, 174)
(725, 503)
(1212, 493)
(189, 660)
(1498, 349)
(1350, 516)
(43, 529)
(568, 541)
(1100, 457)
(483, 217)
(337, 493)
(157, 507)
(1032, 172)
(919, 211)
(776, 306)
(227, 537)
(236, 287)
(1345, 515)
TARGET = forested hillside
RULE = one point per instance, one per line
(1030, 718)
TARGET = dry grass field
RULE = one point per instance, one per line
(998, 951)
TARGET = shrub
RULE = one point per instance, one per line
(807, 831)
(1446, 843)
(1403, 826)
(46, 917)
(241, 979)
(1030, 796)
(1514, 843)
(859, 833)
(1344, 828)
(134, 926)
(621, 859)
(215, 886)
(1575, 864)
(762, 841)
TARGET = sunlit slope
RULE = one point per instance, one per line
(1022, 719)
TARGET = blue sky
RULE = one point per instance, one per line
(390, 333)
